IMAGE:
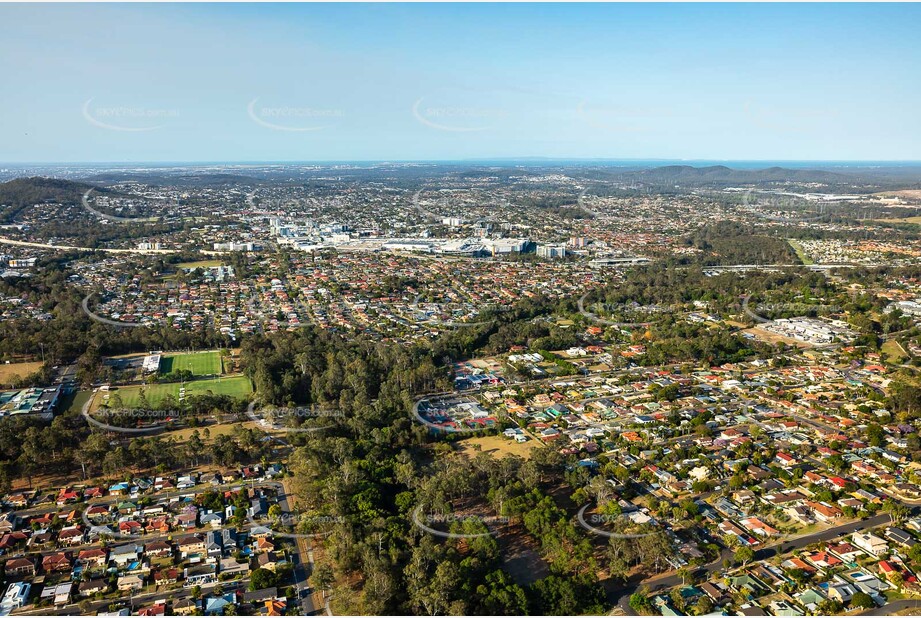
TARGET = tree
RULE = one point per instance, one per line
(744, 554)
(323, 577)
(261, 579)
(876, 436)
(500, 596)
(862, 600)
(829, 607)
(896, 510)
(897, 579)
(656, 548)
(640, 602)
(703, 606)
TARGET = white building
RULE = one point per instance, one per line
(870, 543)
(152, 363)
(16, 597)
(551, 251)
(236, 246)
(500, 246)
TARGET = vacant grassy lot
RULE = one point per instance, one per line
(913, 220)
(894, 352)
(74, 402)
(233, 386)
(200, 264)
(199, 363)
(497, 446)
(213, 431)
(10, 373)
(800, 252)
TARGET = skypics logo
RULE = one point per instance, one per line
(107, 519)
(455, 118)
(595, 519)
(433, 320)
(150, 421)
(103, 523)
(292, 420)
(108, 217)
(425, 522)
(297, 525)
(455, 110)
(421, 208)
(295, 119)
(449, 409)
(102, 320)
(130, 119)
(792, 309)
(797, 120)
(111, 523)
(584, 202)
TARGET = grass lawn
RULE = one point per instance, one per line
(914, 220)
(200, 264)
(800, 252)
(9, 373)
(497, 446)
(894, 352)
(199, 363)
(74, 402)
(213, 430)
(234, 386)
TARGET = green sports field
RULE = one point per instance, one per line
(199, 363)
(234, 386)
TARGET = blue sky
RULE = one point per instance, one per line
(212, 82)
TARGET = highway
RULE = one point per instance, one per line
(38, 245)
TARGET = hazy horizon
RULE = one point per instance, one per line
(422, 82)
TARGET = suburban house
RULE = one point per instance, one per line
(96, 557)
(870, 543)
(158, 549)
(58, 562)
(191, 544)
(15, 597)
(200, 575)
(92, 586)
(19, 567)
(131, 581)
(124, 554)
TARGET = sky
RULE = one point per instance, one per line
(363, 82)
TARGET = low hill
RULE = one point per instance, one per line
(21, 193)
(720, 174)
